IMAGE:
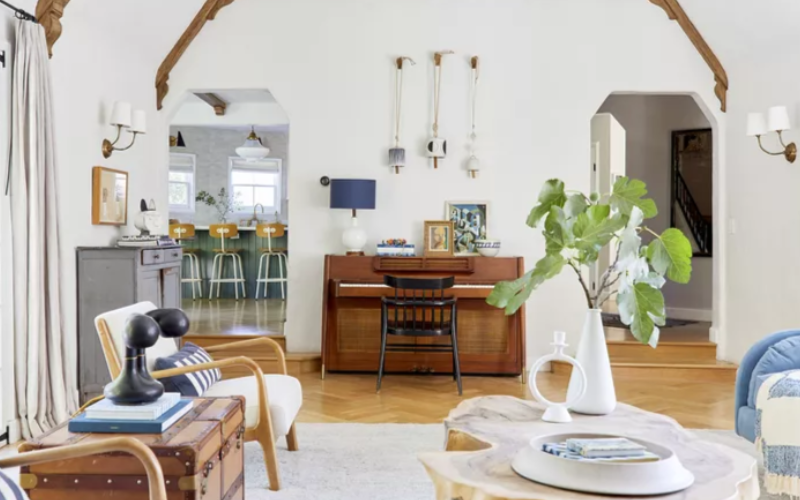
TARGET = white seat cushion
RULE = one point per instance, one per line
(285, 398)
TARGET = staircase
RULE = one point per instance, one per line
(699, 225)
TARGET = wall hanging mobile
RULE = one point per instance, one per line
(397, 155)
(473, 164)
(437, 147)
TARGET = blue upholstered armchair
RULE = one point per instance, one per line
(772, 354)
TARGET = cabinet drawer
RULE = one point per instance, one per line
(150, 257)
(172, 254)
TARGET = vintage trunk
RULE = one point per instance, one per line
(202, 457)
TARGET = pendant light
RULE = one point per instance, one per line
(253, 149)
(473, 164)
(397, 155)
(437, 146)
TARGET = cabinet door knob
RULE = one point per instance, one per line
(156, 256)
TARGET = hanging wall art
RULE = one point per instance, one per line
(437, 146)
(397, 155)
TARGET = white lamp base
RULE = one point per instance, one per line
(354, 238)
(557, 414)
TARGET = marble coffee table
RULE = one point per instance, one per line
(484, 435)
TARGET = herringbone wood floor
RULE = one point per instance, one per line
(428, 399)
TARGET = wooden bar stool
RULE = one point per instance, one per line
(186, 232)
(223, 232)
(270, 231)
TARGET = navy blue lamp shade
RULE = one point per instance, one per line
(354, 194)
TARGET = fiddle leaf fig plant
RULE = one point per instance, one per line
(577, 227)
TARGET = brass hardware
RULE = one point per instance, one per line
(206, 472)
(789, 150)
(187, 483)
(28, 481)
(109, 147)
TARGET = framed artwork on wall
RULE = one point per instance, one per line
(469, 224)
(438, 238)
(109, 197)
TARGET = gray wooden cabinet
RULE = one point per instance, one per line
(110, 278)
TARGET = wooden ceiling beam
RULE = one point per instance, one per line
(676, 13)
(208, 12)
(49, 14)
(215, 102)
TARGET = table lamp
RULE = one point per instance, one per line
(353, 194)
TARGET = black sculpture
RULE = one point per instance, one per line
(134, 385)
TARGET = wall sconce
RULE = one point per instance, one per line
(121, 117)
(777, 120)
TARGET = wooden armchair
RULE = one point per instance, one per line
(155, 476)
(272, 401)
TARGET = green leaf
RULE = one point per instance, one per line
(671, 254)
(575, 205)
(552, 193)
(628, 193)
(641, 307)
(596, 227)
(557, 232)
(510, 295)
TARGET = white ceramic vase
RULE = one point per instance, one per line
(600, 397)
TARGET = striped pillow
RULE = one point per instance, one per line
(190, 384)
(9, 490)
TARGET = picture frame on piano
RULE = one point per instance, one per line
(470, 224)
(439, 238)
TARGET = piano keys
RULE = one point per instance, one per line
(490, 343)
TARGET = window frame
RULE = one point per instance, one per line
(173, 167)
(269, 165)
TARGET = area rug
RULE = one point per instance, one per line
(373, 461)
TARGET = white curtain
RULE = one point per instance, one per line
(41, 367)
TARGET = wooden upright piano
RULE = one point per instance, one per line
(489, 342)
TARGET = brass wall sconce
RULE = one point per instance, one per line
(122, 117)
(777, 120)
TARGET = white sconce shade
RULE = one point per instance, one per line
(139, 124)
(121, 114)
(756, 124)
(778, 118)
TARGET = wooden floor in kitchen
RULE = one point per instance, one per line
(236, 317)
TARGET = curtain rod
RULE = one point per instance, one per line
(21, 14)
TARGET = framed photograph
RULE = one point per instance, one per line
(109, 197)
(469, 220)
(438, 238)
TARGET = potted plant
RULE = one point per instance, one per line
(576, 228)
(224, 203)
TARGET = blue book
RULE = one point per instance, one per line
(157, 426)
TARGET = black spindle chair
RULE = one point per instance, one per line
(419, 308)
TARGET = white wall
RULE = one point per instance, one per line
(649, 121)
(545, 72)
(237, 113)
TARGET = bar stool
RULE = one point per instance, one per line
(223, 232)
(270, 231)
(182, 232)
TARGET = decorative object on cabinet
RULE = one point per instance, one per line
(576, 228)
(177, 141)
(488, 248)
(439, 238)
(473, 164)
(470, 219)
(422, 300)
(252, 149)
(123, 118)
(109, 197)
(397, 155)
(110, 278)
(395, 248)
(557, 412)
(437, 147)
(224, 203)
(353, 194)
(777, 120)
(149, 221)
(490, 343)
(134, 385)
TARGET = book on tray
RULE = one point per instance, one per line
(107, 410)
(601, 450)
(156, 426)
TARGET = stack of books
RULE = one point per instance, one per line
(395, 248)
(137, 240)
(601, 450)
(150, 418)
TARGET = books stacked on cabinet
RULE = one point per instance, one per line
(150, 418)
(601, 450)
(395, 248)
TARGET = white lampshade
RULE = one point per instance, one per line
(756, 124)
(139, 124)
(252, 150)
(121, 114)
(778, 118)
